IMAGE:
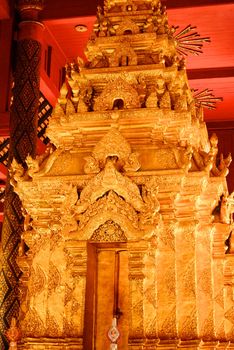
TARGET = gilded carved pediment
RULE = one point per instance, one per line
(112, 207)
(113, 144)
(135, 222)
(114, 91)
(110, 179)
(109, 232)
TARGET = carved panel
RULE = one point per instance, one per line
(109, 232)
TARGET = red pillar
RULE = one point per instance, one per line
(23, 139)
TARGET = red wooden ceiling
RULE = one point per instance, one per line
(4, 9)
(214, 69)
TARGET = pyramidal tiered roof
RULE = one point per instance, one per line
(128, 211)
(133, 64)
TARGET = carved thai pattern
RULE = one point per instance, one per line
(136, 290)
(33, 324)
(109, 232)
(113, 141)
(166, 283)
(113, 144)
(110, 204)
(150, 300)
(37, 281)
(52, 328)
(54, 278)
(205, 292)
(218, 271)
(228, 300)
(49, 284)
(76, 268)
(186, 280)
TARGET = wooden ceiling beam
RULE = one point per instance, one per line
(210, 73)
(174, 4)
(82, 8)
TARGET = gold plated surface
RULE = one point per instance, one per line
(128, 215)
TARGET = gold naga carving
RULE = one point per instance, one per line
(208, 160)
(35, 167)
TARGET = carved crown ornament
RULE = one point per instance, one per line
(112, 195)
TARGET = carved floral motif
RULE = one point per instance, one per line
(109, 232)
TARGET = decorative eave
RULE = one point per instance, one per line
(173, 193)
(143, 42)
(149, 71)
(150, 125)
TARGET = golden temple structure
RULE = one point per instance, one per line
(127, 237)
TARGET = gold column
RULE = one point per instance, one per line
(150, 300)
(136, 279)
(77, 264)
(166, 283)
(229, 297)
(23, 138)
(220, 234)
(186, 280)
(204, 288)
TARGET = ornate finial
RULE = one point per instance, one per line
(188, 41)
(13, 334)
(214, 140)
(63, 94)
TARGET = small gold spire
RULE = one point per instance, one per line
(63, 94)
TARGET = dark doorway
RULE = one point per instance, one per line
(118, 104)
